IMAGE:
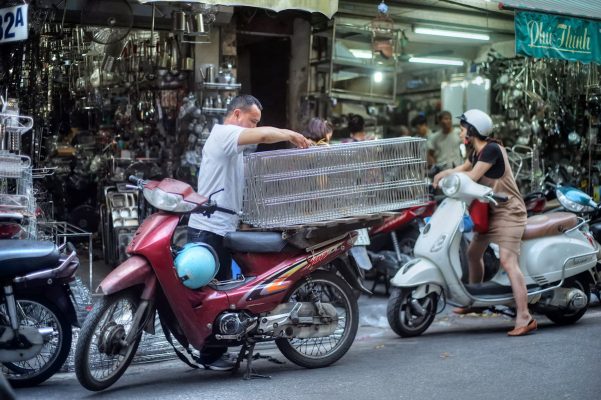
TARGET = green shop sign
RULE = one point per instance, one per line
(552, 36)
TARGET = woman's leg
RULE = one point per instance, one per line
(509, 262)
(475, 252)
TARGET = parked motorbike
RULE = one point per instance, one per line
(391, 242)
(36, 310)
(300, 297)
(557, 258)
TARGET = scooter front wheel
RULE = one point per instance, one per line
(409, 316)
(102, 355)
(39, 312)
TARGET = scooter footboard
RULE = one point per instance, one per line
(132, 272)
(418, 272)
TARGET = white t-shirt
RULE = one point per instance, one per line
(447, 148)
(222, 167)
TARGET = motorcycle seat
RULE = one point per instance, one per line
(20, 257)
(549, 224)
(254, 242)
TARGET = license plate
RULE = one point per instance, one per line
(362, 238)
(13, 23)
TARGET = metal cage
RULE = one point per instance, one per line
(291, 187)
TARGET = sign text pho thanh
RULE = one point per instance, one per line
(553, 36)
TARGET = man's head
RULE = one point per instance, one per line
(244, 110)
(420, 124)
(445, 120)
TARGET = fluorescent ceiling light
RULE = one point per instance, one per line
(360, 53)
(457, 34)
(440, 61)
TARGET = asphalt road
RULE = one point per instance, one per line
(459, 357)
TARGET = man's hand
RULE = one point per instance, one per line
(297, 139)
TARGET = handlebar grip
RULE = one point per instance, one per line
(226, 210)
(133, 179)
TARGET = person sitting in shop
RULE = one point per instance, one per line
(444, 146)
(222, 167)
(319, 132)
(420, 129)
(356, 127)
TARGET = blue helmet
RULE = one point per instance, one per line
(196, 265)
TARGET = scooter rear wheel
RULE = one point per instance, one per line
(100, 358)
(323, 351)
(561, 317)
(408, 316)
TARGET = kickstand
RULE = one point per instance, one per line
(247, 351)
(504, 311)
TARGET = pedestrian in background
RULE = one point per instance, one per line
(444, 146)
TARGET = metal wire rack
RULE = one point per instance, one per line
(291, 187)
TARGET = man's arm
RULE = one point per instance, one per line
(269, 134)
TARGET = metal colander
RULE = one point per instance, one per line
(292, 187)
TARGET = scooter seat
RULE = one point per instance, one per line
(20, 257)
(549, 224)
(254, 242)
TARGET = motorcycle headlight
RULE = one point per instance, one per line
(569, 204)
(167, 201)
(450, 185)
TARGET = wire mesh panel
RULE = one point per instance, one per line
(292, 187)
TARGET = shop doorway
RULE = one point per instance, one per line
(263, 70)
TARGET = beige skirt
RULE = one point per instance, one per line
(506, 228)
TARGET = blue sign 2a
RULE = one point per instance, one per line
(13, 23)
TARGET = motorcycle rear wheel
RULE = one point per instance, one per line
(40, 313)
(403, 319)
(100, 359)
(566, 317)
(323, 351)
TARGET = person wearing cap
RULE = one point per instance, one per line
(487, 164)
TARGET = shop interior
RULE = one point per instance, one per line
(116, 88)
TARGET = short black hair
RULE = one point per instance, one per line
(443, 114)
(419, 119)
(356, 123)
(243, 102)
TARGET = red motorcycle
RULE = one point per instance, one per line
(297, 292)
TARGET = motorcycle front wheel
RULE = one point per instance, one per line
(101, 356)
(39, 313)
(323, 351)
(409, 316)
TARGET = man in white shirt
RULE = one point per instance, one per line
(444, 146)
(222, 167)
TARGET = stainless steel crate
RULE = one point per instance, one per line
(302, 186)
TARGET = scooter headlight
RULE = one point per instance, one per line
(167, 201)
(450, 185)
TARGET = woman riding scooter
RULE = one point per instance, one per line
(488, 164)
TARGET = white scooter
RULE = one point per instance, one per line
(557, 258)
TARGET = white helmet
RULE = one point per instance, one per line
(479, 120)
